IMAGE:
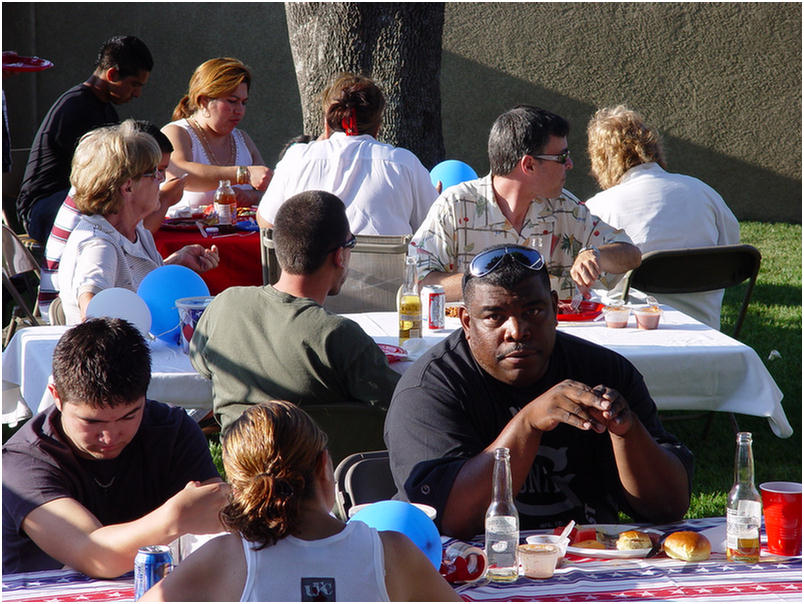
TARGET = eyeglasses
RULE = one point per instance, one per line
(488, 261)
(561, 158)
(350, 243)
(156, 174)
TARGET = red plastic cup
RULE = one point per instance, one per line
(781, 502)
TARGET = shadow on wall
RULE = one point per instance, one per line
(481, 94)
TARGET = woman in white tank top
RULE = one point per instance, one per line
(284, 544)
(207, 145)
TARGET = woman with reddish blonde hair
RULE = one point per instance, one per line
(208, 146)
(386, 189)
(285, 545)
(657, 209)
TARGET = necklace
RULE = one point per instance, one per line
(205, 143)
(104, 485)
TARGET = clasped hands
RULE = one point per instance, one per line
(600, 409)
(197, 257)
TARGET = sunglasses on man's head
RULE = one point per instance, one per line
(488, 261)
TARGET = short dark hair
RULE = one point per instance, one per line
(165, 146)
(128, 54)
(308, 227)
(508, 275)
(523, 130)
(102, 362)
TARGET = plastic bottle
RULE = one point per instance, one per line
(410, 305)
(744, 506)
(225, 203)
(502, 523)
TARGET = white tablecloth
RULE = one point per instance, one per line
(27, 364)
(686, 364)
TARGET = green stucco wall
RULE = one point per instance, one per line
(722, 82)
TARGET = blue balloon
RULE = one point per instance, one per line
(451, 172)
(161, 288)
(407, 519)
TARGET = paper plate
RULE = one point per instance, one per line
(18, 63)
(393, 353)
(587, 311)
(611, 529)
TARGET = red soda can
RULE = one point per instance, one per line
(434, 302)
(463, 562)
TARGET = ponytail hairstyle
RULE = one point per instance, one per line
(214, 79)
(270, 454)
(619, 139)
(353, 104)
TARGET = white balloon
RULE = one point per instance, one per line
(121, 303)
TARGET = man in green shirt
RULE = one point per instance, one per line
(278, 342)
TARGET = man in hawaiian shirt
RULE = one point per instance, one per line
(522, 201)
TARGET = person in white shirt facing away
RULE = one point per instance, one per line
(386, 189)
(657, 209)
(283, 544)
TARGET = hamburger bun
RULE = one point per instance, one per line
(688, 546)
(589, 544)
(630, 540)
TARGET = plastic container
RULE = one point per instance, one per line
(190, 310)
(616, 316)
(538, 560)
(648, 317)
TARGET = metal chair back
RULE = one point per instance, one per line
(18, 262)
(689, 270)
(362, 478)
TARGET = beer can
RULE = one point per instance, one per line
(152, 563)
(434, 302)
(463, 562)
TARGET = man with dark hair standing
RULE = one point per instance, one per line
(584, 435)
(521, 199)
(105, 471)
(278, 342)
(122, 69)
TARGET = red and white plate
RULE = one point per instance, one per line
(393, 353)
(14, 62)
(586, 312)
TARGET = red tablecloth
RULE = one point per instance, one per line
(240, 256)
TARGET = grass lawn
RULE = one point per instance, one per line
(773, 323)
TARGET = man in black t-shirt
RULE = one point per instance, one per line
(104, 472)
(583, 432)
(122, 69)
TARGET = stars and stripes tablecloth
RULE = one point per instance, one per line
(66, 586)
(774, 578)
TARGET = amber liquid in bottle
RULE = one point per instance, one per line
(744, 507)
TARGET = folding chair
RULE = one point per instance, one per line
(689, 270)
(376, 271)
(19, 263)
(362, 478)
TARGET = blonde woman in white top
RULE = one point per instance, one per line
(207, 145)
(284, 544)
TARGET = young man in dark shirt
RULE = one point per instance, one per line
(104, 472)
(123, 66)
(583, 432)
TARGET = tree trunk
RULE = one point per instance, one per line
(398, 45)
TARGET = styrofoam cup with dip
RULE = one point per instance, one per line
(616, 316)
(560, 542)
(648, 317)
(538, 560)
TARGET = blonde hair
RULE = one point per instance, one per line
(270, 454)
(214, 79)
(104, 160)
(350, 92)
(619, 139)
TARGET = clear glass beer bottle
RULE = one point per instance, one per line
(744, 506)
(502, 523)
